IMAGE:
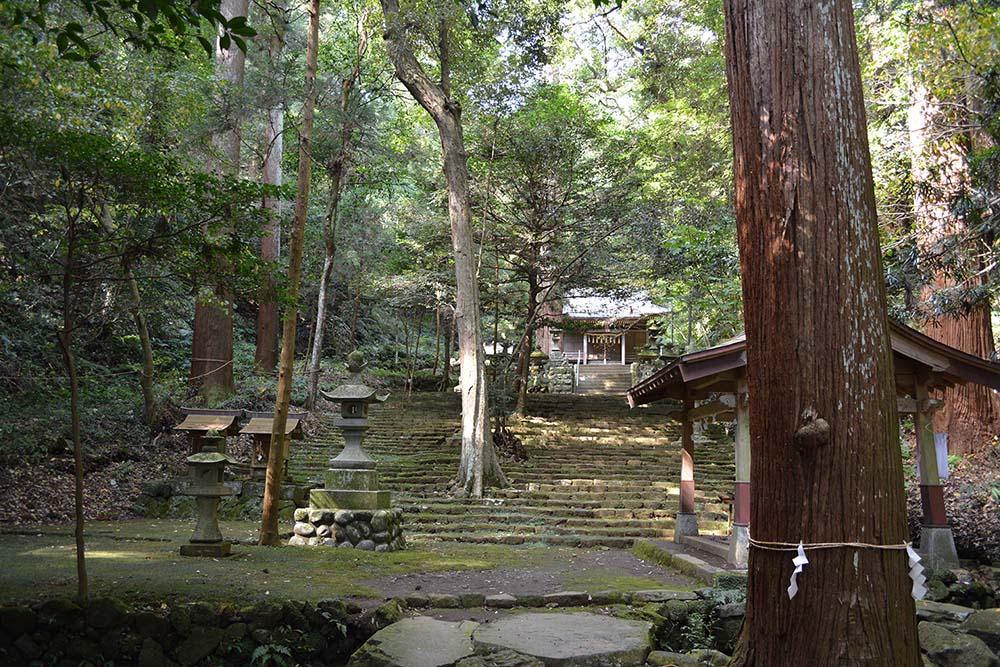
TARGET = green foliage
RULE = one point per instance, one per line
(145, 24)
(272, 655)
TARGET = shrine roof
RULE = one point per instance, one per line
(582, 305)
(698, 374)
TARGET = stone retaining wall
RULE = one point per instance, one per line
(551, 378)
(60, 633)
(379, 530)
(165, 499)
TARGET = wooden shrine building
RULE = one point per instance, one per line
(587, 328)
(710, 384)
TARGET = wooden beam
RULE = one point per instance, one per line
(708, 410)
(908, 406)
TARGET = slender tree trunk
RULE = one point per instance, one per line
(971, 413)
(212, 344)
(355, 312)
(826, 463)
(266, 352)
(406, 340)
(527, 344)
(479, 465)
(496, 317)
(337, 169)
(69, 358)
(416, 351)
(449, 342)
(279, 444)
(437, 339)
(149, 407)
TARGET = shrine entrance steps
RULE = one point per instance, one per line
(599, 379)
(598, 473)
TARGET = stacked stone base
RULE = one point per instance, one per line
(378, 530)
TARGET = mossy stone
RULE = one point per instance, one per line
(18, 620)
(103, 613)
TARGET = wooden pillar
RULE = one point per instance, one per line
(584, 347)
(936, 541)
(623, 348)
(739, 540)
(687, 520)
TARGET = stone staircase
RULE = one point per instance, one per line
(598, 473)
(611, 379)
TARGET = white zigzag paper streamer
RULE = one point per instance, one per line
(799, 562)
(916, 574)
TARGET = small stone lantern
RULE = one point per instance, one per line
(208, 487)
(350, 511)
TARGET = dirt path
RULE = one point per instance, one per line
(568, 569)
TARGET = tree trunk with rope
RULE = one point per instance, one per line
(826, 464)
(212, 342)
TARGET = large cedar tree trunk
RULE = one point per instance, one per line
(971, 413)
(826, 463)
(279, 443)
(479, 465)
(212, 345)
(266, 351)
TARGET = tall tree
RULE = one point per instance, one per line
(957, 303)
(823, 411)
(279, 443)
(266, 350)
(479, 465)
(212, 345)
(335, 170)
(69, 305)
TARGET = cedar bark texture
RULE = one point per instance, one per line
(940, 168)
(266, 350)
(479, 465)
(212, 344)
(971, 412)
(818, 345)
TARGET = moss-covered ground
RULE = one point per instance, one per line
(139, 560)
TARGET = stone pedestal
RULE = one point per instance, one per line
(378, 530)
(345, 499)
(739, 546)
(350, 511)
(685, 524)
(215, 550)
(937, 548)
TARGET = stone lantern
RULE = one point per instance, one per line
(350, 510)
(208, 487)
(352, 478)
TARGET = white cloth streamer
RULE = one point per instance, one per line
(799, 562)
(916, 574)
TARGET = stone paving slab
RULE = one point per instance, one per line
(579, 639)
(417, 642)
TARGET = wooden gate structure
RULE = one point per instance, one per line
(710, 384)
